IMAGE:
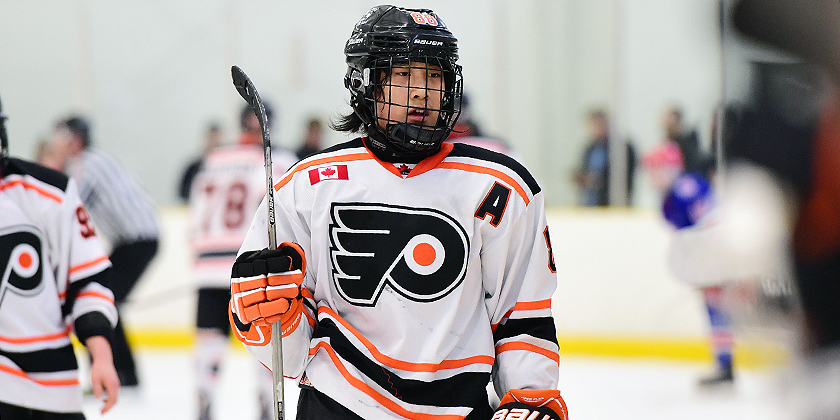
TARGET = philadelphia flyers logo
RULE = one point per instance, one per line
(418, 253)
(20, 259)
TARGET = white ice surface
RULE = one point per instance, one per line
(594, 389)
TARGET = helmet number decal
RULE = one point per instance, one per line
(424, 19)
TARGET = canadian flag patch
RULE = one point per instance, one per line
(324, 173)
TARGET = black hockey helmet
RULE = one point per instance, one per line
(388, 36)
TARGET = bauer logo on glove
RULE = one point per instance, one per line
(528, 404)
(265, 285)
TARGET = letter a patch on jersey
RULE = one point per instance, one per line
(324, 173)
(494, 204)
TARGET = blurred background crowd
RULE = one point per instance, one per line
(610, 103)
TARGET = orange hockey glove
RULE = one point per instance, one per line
(543, 404)
(265, 288)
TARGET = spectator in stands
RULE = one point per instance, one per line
(212, 140)
(313, 139)
(592, 177)
(687, 139)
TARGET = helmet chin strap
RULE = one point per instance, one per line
(388, 151)
(417, 141)
(426, 138)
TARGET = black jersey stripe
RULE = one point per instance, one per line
(341, 146)
(542, 328)
(103, 278)
(46, 175)
(474, 152)
(43, 361)
(468, 389)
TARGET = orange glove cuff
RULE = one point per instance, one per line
(523, 403)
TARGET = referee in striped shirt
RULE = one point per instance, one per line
(123, 214)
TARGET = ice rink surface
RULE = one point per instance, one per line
(594, 389)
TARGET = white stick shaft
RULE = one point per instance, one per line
(277, 370)
(276, 328)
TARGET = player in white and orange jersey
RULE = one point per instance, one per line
(411, 272)
(223, 200)
(53, 282)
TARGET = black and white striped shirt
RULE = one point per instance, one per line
(121, 210)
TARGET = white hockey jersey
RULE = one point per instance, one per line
(419, 287)
(54, 276)
(224, 199)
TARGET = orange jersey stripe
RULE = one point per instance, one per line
(91, 293)
(33, 187)
(524, 306)
(401, 364)
(424, 166)
(45, 382)
(518, 345)
(87, 264)
(322, 161)
(483, 170)
(367, 389)
(34, 339)
(531, 306)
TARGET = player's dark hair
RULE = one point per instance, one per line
(78, 126)
(247, 112)
(350, 123)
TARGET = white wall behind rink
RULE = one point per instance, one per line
(610, 264)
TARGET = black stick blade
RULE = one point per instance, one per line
(4, 140)
(242, 83)
(248, 92)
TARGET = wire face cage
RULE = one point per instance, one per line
(415, 101)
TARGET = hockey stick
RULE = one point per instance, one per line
(4, 140)
(247, 90)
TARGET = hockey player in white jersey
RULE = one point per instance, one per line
(412, 272)
(54, 283)
(223, 200)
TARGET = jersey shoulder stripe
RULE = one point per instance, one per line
(357, 142)
(41, 173)
(474, 152)
(327, 156)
